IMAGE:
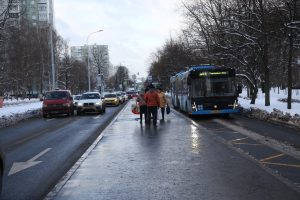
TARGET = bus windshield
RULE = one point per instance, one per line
(212, 87)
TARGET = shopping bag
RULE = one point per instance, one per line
(135, 108)
(168, 110)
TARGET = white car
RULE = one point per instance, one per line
(125, 96)
(76, 98)
(90, 102)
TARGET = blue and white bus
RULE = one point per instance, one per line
(205, 89)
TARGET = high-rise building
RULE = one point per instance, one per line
(10, 11)
(98, 61)
(39, 12)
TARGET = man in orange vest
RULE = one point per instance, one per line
(152, 101)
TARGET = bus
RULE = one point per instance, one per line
(204, 90)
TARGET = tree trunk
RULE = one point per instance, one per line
(254, 95)
(289, 68)
(266, 74)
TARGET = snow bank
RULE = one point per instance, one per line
(14, 111)
(277, 111)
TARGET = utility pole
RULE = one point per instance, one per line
(88, 59)
(51, 11)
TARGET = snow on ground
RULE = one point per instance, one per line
(14, 111)
(275, 96)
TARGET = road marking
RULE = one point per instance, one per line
(247, 143)
(219, 129)
(281, 164)
(20, 166)
(270, 142)
(271, 157)
(239, 139)
(97, 117)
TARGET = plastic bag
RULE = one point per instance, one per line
(135, 108)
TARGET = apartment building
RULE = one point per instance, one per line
(98, 59)
(39, 12)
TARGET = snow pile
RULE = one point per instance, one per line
(277, 111)
(14, 111)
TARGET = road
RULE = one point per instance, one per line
(204, 158)
(40, 151)
(274, 147)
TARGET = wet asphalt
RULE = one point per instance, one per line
(176, 160)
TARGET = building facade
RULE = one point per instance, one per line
(98, 59)
(38, 12)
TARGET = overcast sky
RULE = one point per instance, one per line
(133, 29)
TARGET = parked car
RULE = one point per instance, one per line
(111, 99)
(57, 102)
(1, 171)
(90, 102)
(75, 100)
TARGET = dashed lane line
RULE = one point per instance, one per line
(239, 139)
(244, 143)
(270, 142)
(281, 164)
(271, 157)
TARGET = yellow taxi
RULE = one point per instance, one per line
(111, 99)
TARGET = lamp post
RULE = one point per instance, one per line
(88, 59)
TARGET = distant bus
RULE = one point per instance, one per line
(205, 89)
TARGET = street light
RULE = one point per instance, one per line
(88, 60)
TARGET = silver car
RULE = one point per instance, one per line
(90, 102)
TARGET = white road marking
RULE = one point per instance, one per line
(20, 166)
(282, 147)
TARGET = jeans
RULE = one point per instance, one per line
(152, 110)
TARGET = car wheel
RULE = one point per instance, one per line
(44, 115)
(104, 110)
(78, 112)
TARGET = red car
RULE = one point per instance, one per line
(58, 102)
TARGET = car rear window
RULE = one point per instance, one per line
(77, 97)
(110, 96)
(90, 96)
(56, 95)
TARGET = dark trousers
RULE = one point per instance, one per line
(143, 110)
(162, 109)
(152, 110)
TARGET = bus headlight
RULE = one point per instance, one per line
(235, 105)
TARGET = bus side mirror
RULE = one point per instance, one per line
(240, 89)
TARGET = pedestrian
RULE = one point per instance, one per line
(152, 101)
(143, 106)
(163, 102)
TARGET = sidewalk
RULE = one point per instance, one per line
(176, 160)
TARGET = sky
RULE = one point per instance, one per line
(132, 29)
